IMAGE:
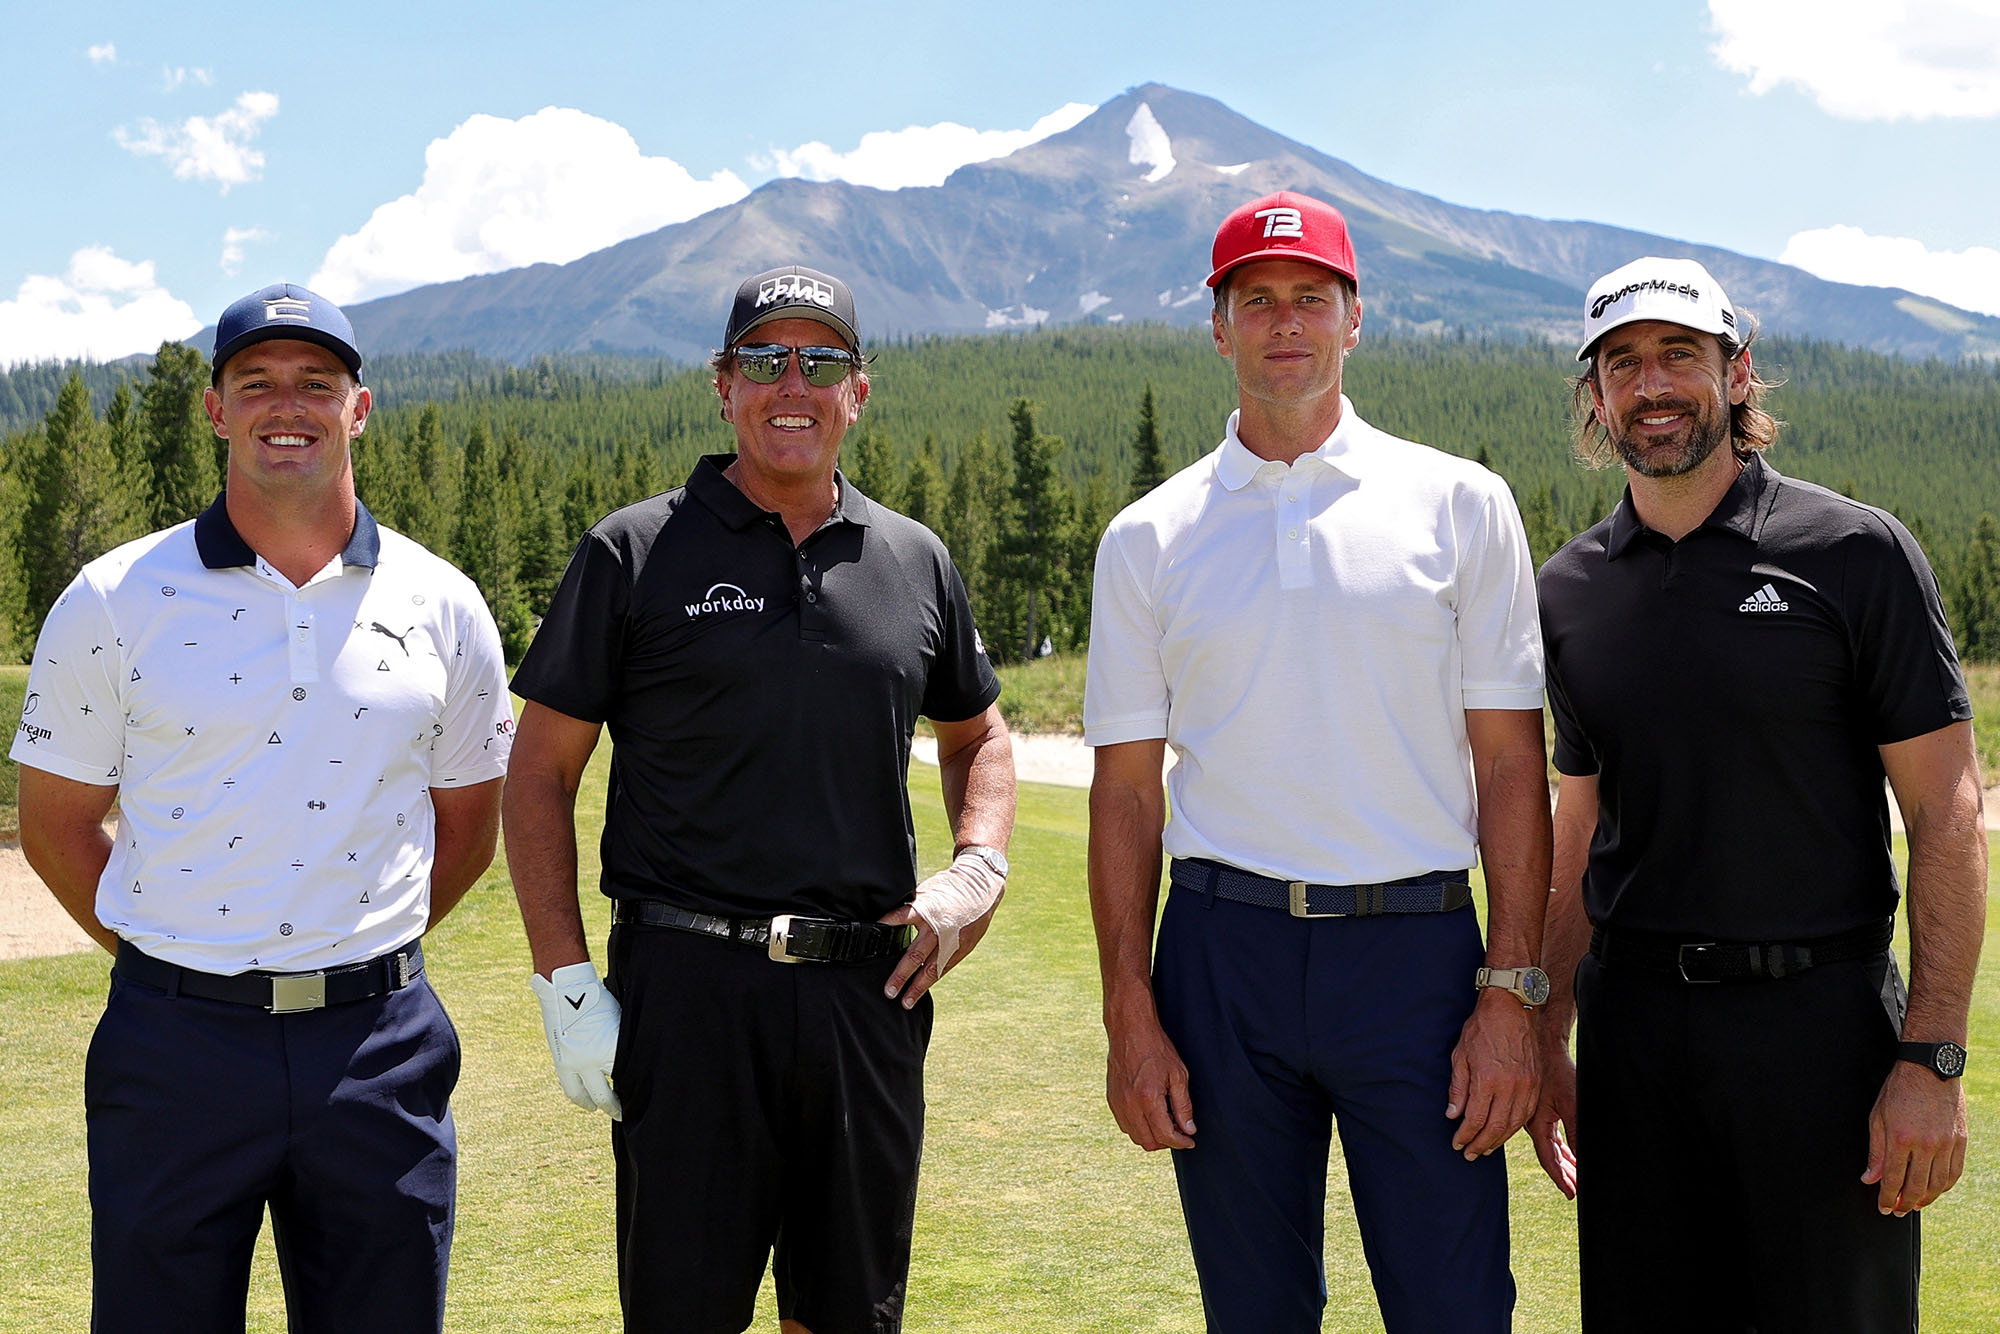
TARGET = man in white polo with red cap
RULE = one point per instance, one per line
(1335, 631)
(1737, 659)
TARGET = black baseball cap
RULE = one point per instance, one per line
(793, 292)
(284, 310)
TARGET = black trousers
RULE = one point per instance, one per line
(769, 1108)
(1722, 1133)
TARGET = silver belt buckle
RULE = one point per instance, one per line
(779, 947)
(1681, 963)
(1297, 889)
(290, 995)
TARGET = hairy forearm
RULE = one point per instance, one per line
(1947, 906)
(540, 815)
(1566, 933)
(1510, 775)
(976, 774)
(1124, 867)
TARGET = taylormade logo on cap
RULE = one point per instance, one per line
(1676, 291)
(795, 287)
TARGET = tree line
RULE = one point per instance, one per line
(1016, 449)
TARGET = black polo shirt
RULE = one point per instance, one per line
(1729, 691)
(760, 697)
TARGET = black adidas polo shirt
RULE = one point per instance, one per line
(759, 696)
(1729, 691)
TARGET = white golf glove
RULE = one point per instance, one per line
(954, 899)
(581, 1019)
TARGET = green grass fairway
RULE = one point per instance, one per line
(1036, 1214)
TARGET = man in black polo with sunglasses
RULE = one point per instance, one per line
(760, 642)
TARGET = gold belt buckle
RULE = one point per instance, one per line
(290, 995)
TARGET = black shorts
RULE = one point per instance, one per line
(765, 1104)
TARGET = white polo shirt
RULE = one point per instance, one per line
(273, 747)
(1308, 639)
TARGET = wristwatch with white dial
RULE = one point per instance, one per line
(1946, 1060)
(1530, 984)
(995, 859)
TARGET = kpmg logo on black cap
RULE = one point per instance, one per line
(287, 308)
(795, 287)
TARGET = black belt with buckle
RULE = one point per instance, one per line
(1735, 960)
(1435, 891)
(279, 993)
(787, 938)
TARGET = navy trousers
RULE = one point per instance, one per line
(203, 1113)
(1288, 1026)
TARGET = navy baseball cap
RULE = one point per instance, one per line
(793, 292)
(284, 310)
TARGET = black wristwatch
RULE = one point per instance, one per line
(1946, 1060)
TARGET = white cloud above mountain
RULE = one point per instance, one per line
(236, 242)
(215, 148)
(498, 194)
(100, 308)
(1867, 59)
(1968, 279)
(918, 155)
(103, 54)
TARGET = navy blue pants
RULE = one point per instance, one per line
(203, 1113)
(1287, 1027)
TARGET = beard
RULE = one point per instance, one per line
(1706, 432)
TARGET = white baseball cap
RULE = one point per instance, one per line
(1679, 291)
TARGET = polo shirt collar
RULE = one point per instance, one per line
(222, 548)
(737, 511)
(1345, 451)
(1742, 509)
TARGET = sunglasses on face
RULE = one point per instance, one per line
(823, 367)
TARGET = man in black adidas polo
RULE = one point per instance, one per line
(760, 642)
(1736, 659)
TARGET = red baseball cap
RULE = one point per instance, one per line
(1284, 226)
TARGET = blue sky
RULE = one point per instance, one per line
(161, 164)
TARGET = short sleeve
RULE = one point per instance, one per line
(963, 681)
(574, 664)
(478, 719)
(1906, 667)
(1499, 630)
(1125, 695)
(72, 716)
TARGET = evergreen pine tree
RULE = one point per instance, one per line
(1034, 541)
(924, 488)
(1149, 465)
(868, 460)
(69, 484)
(126, 510)
(177, 437)
(1976, 607)
(422, 502)
(970, 526)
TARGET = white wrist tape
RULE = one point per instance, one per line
(954, 899)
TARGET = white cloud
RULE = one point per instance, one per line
(107, 54)
(208, 148)
(1005, 318)
(1968, 279)
(1091, 300)
(498, 194)
(173, 76)
(102, 307)
(235, 241)
(1150, 145)
(919, 155)
(1867, 59)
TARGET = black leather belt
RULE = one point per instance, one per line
(280, 993)
(1435, 891)
(1735, 960)
(787, 938)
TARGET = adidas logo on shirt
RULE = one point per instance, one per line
(1765, 599)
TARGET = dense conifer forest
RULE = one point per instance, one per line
(1016, 448)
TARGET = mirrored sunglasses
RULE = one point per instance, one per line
(823, 367)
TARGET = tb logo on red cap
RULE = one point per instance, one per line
(1282, 222)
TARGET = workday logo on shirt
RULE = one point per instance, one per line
(723, 597)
